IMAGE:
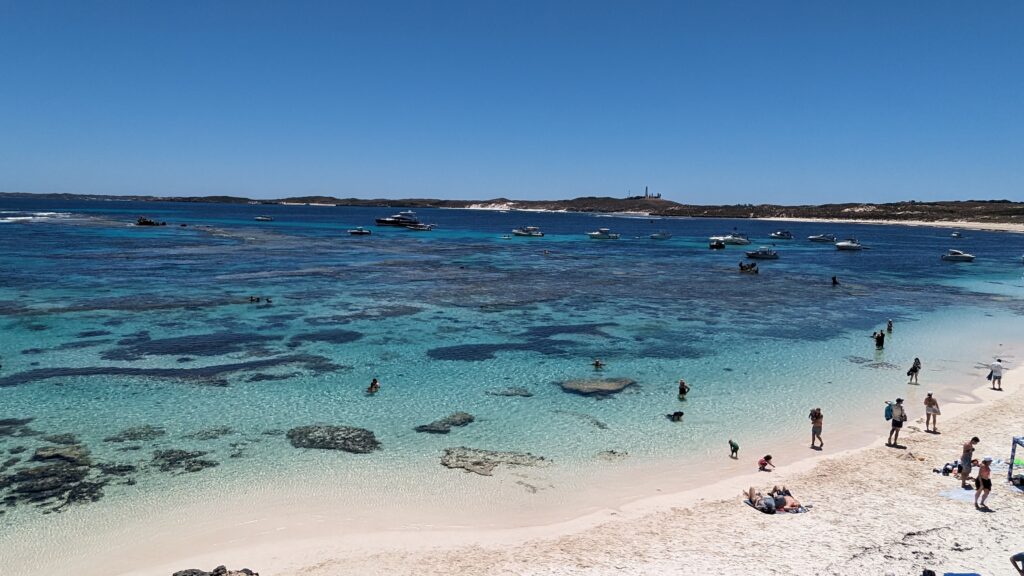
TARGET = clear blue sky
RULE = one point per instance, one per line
(706, 102)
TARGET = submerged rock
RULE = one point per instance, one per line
(326, 437)
(211, 433)
(444, 425)
(612, 455)
(484, 462)
(514, 391)
(61, 438)
(137, 434)
(16, 427)
(59, 484)
(116, 469)
(76, 454)
(597, 386)
(175, 460)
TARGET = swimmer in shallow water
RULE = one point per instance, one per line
(683, 389)
(374, 387)
(597, 364)
(675, 416)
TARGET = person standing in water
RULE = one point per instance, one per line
(888, 326)
(817, 420)
(734, 450)
(374, 387)
(879, 340)
(931, 414)
(913, 371)
(598, 365)
(683, 389)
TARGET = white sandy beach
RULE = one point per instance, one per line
(875, 509)
(958, 224)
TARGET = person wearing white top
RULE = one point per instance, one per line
(997, 374)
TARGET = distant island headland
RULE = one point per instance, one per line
(978, 211)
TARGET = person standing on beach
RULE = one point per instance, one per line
(984, 482)
(734, 450)
(817, 419)
(966, 461)
(931, 414)
(997, 374)
(899, 416)
(913, 371)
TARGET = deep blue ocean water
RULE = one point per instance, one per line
(106, 325)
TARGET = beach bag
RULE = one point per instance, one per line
(888, 411)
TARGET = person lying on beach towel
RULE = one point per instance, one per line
(776, 500)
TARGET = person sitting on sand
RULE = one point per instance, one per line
(983, 484)
(734, 450)
(374, 387)
(966, 461)
(683, 389)
(764, 463)
(675, 416)
(931, 411)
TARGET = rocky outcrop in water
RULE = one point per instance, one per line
(326, 437)
(137, 434)
(61, 438)
(444, 425)
(75, 454)
(211, 433)
(180, 461)
(597, 386)
(16, 427)
(513, 391)
(218, 571)
(484, 462)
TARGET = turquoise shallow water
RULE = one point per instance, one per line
(107, 326)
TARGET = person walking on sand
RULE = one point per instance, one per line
(683, 389)
(997, 374)
(914, 370)
(817, 419)
(983, 484)
(966, 461)
(899, 416)
(931, 414)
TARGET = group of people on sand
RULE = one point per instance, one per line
(983, 483)
(778, 499)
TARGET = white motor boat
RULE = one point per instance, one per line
(957, 256)
(735, 238)
(420, 227)
(849, 244)
(661, 235)
(404, 219)
(782, 235)
(603, 234)
(530, 231)
(763, 253)
(263, 219)
(829, 238)
(957, 235)
(360, 231)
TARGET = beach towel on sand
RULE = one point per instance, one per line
(805, 508)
